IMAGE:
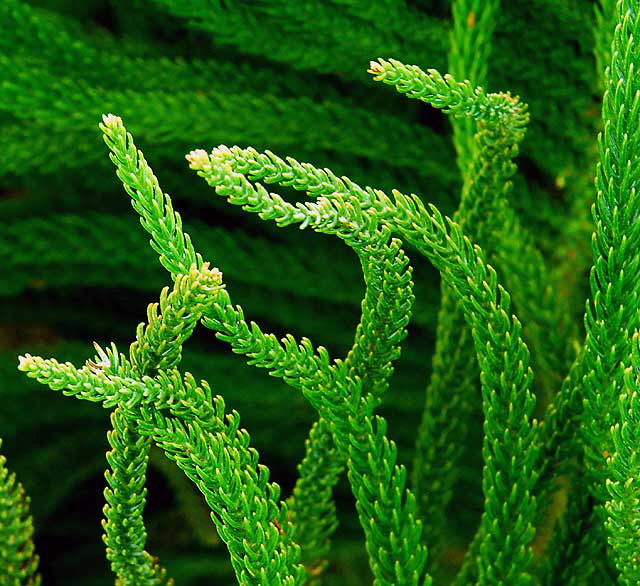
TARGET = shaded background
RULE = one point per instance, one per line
(75, 265)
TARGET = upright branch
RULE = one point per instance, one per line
(503, 120)
(18, 560)
(612, 313)
(452, 390)
(507, 384)
(623, 482)
(471, 43)
(354, 382)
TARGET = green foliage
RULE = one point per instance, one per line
(517, 466)
(622, 482)
(17, 558)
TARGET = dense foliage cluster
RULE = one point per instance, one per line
(518, 465)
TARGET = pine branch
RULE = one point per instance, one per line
(142, 192)
(311, 506)
(349, 220)
(377, 258)
(385, 313)
(295, 361)
(208, 446)
(158, 346)
(611, 316)
(471, 44)
(18, 560)
(424, 86)
(507, 401)
(374, 348)
(173, 245)
(561, 421)
(270, 168)
(451, 392)
(177, 254)
(125, 534)
(623, 523)
(343, 408)
(253, 392)
(451, 96)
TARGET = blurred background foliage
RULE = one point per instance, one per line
(273, 74)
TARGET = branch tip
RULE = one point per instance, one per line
(375, 68)
(25, 362)
(111, 120)
(198, 159)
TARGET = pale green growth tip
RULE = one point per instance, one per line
(220, 159)
(222, 153)
(112, 121)
(210, 278)
(103, 363)
(444, 91)
(199, 160)
(382, 67)
(375, 67)
(36, 364)
(25, 363)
